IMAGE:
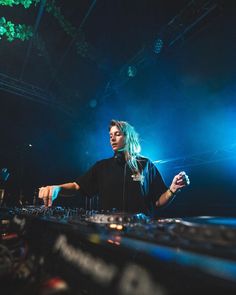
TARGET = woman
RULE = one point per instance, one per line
(126, 182)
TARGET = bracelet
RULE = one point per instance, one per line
(169, 195)
(172, 193)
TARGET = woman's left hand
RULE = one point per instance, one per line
(179, 181)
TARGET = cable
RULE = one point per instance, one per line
(123, 193)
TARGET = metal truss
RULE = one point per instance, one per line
(31, 92)
(208, 157)
(177, 29)
(190, 17)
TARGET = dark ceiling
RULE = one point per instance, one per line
(74, 59)
(91, 61)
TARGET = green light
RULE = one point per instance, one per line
(14, 31)
(24, 32)
(25, 3)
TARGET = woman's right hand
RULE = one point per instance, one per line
(49, 194)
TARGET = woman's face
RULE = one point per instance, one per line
(117, 139)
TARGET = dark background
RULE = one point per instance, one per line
(60, 99)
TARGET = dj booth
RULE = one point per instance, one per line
(73, 251)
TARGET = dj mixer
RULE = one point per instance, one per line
(73, 251)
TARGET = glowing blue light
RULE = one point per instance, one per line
(158, 45)
(131, 71)
(93, 103)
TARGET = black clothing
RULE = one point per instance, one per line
(117, 187)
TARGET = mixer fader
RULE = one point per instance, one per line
(92, 252)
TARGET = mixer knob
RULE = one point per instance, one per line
(119, 219)
(110, 219)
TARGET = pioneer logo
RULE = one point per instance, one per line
(97, 268)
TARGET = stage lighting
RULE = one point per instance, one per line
(158, 45)
(93, 103)
(131, 71)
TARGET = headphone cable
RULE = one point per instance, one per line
(123, 193)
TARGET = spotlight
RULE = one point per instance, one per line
(158, 44)
(93, 103)
(131, 71)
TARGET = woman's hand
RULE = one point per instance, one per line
(49, 194)
(179, 181)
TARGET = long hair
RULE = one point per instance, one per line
(132, 146)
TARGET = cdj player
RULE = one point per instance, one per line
(89, 252)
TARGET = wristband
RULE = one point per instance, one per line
(172, 193)
(169, 195)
